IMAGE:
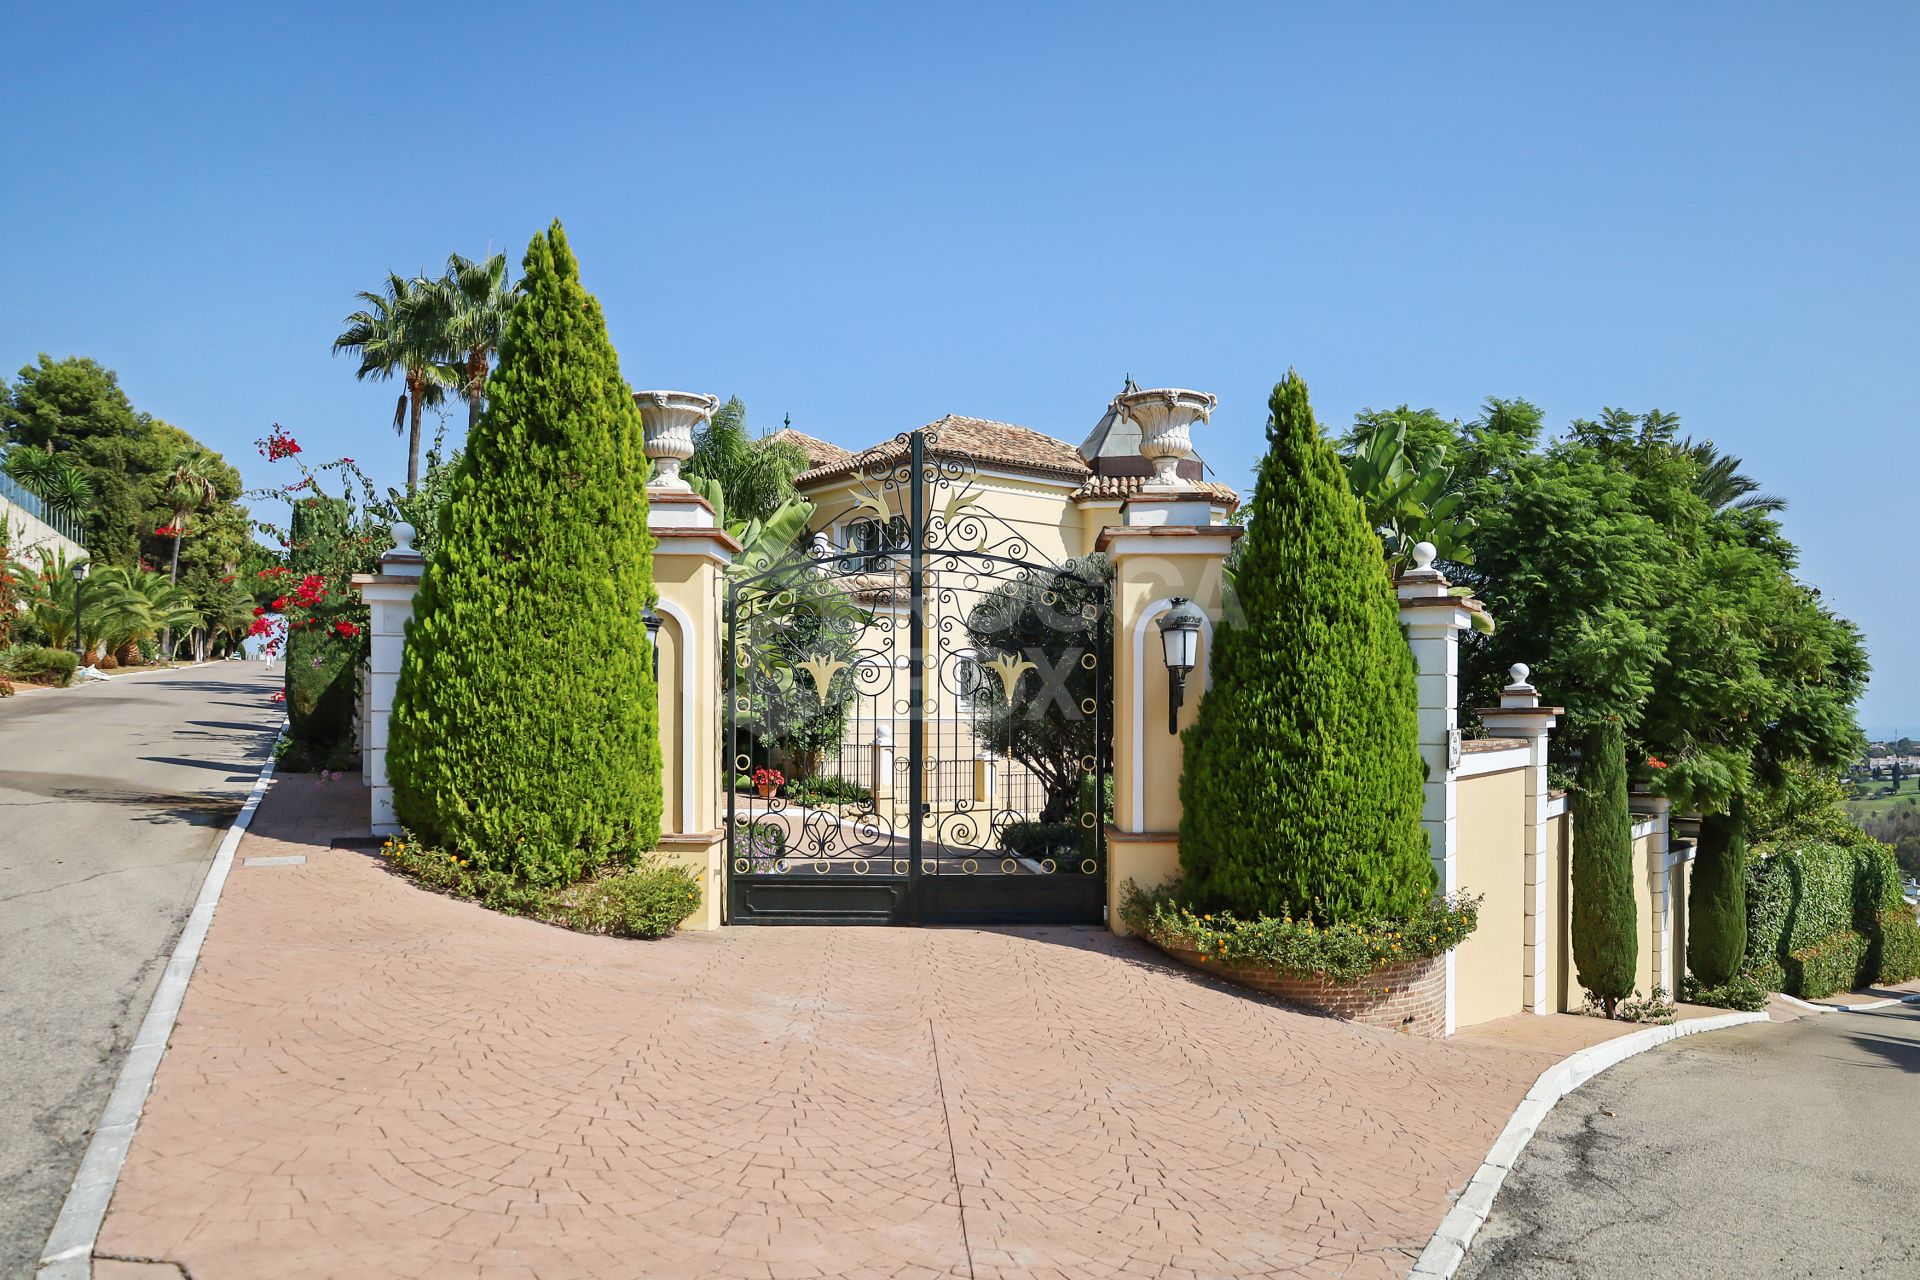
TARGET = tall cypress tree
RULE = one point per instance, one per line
(1606, 939)
(1717, 896)
(525, 733)
(1302, 783)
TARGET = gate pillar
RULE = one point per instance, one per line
(689, 572)
(1172, 547)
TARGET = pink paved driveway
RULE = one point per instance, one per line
(368, 1080)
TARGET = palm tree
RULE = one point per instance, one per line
(54, 478)
(474, 299)
(1721, 484)
(403, 331)
(188, 488)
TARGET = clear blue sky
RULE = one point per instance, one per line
(869, 216)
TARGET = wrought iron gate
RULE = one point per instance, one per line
(918, 724)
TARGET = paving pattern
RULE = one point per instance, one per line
(369, 1080)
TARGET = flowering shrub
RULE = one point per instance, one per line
(644, 901)
(770, 779)
(278, 444)
(1299, 948)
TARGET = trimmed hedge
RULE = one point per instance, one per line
(1825, 917)
(40, 665)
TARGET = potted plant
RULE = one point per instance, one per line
(767, 781)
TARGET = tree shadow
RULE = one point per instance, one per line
(159, 808)
(1899, 1047)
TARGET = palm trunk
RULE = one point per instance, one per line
(476, 384)
(173, 578)
(413, 431)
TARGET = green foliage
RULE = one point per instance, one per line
(1815, 908)
(1092, 809)
(75, 410)
(525, 735)
(1717, 898)
(1039, 631)
(1408, 491)
(1899, 954)
(1037, 840)
(1606, 942)
(404, 332)
(38, 664)
(648, 900)
(1303, 777)
(824, 790)
(323, 668)
(1299, 946)
(754, 475)
(1743, 992)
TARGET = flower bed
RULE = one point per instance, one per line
(648, 900)
(1389, 973)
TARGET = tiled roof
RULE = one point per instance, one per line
(819, 452)
(1114, 488)
(999, 444)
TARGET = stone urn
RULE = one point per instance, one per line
(669, 419)
(1165, 416)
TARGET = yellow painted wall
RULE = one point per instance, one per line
(1561, 994)
(1490, 966)
(690, 745)
(1646, 977)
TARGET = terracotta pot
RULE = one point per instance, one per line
(765, 789)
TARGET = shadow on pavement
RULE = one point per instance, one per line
(162, 807)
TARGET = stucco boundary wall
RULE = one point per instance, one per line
(29, 537)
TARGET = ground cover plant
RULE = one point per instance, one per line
(1298, 946)
(646, 900)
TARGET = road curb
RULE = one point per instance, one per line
(68, 1254)
(1812, 1007)
(1451, 1240)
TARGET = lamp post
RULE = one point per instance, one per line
(1180, 645)
(80, 570)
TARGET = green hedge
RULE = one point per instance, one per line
(40, 664)
(1824, 917)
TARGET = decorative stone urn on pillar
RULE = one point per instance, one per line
(1166, 416)
(670, 418)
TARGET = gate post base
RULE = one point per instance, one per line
(704, 854)
(1148, 858)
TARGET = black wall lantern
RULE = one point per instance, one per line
(652, 620)
(1180, 644)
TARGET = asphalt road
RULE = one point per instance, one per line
(113, 798)
(1761, 1151)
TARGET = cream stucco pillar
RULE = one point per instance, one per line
(1167, 549)
(1520, 715)
(1434, 618)
(389, 596)
(689, 572)
(1659, 873)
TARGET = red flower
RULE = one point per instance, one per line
(1657, 764)
(165, 531)
(260, 627)
(259, 611)
(346, 630)
(274, 572)
(280, 604)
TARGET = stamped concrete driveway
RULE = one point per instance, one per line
(1761, 1151)
(112, 799)
(368, 1080)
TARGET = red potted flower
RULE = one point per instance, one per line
(767, 781)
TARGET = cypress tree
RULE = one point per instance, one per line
(1717, 896)
(525, 734)
(1606, 940)
(1302, 784)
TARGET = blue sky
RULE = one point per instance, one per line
(869, 216)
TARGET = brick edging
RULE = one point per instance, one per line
(1410, 996)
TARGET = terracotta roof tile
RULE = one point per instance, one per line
(1000, 444)
(1113, 488)
(820, 453)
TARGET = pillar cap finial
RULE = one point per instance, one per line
(403, 534)
(1519, 671)
(1424, 554)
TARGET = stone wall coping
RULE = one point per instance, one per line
(1112, 531)
(1117, 836)
(1473, 745)
(720, 536)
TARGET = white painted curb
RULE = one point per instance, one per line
(1811, 1007)
(1448, 1248)
(68, 1254)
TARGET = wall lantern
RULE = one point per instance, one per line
(652, 620)
(1180, 644)
(80, 570)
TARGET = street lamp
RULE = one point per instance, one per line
(79, 570)
(1180, 645)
